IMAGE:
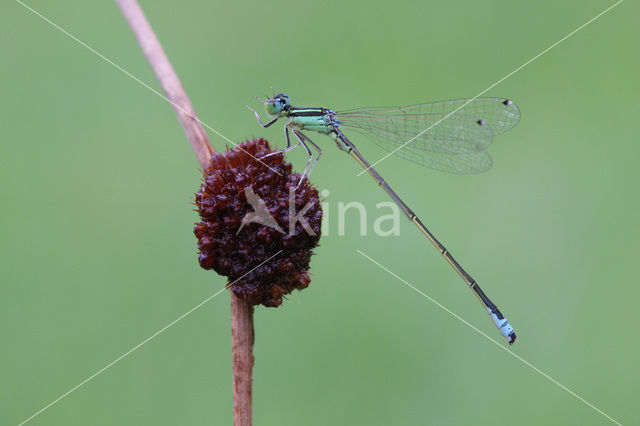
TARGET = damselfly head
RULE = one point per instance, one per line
(277, 103)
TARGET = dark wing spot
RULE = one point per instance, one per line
(507, 102)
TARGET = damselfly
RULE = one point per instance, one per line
(451, 136)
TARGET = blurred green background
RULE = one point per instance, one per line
(97, 251)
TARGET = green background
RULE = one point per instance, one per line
(97, 251)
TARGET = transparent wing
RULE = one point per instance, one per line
(451, 135)
(461, 163)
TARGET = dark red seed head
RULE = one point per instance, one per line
(242, 194)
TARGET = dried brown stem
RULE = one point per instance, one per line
(241, 313)
(168, 79)
(242, 353)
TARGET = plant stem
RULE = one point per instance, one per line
(241, 336)
(168, 79)
(241, 313)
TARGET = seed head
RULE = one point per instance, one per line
(246, 217)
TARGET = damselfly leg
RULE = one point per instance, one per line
(308, 170)
(260, 120)
(285, 150)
